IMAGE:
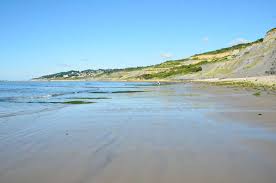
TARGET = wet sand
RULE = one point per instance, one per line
(174, 133)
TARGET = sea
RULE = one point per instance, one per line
(28, 97)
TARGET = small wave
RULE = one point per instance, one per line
(64, 102)
(119, 91)
(5, 115)
(70, 93)
(88, 98)
(85, 91)
(41, 97)
(62, 94)
(96, 92)
(128, 91)
(97, 87)
(26, 99)
(19, 98)
(8, 99)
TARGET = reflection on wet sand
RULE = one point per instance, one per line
(174, 133)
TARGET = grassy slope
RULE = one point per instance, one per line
(174, 68)
(165, 70)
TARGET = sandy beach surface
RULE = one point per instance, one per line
(176, 133)
(258, 80)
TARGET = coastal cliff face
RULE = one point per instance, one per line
(256, 59)
(244, 60)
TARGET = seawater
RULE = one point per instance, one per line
(29, 97)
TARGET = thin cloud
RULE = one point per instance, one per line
(166, 55)
(64, 65)
(205, 39)
(238, 41)
(84, 59)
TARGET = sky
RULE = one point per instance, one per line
(39, 37)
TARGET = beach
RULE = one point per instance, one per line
(137, 132)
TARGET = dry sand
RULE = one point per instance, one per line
(258, 80)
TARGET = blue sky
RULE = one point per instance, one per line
(42, 37)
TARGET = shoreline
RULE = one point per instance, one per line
(257, 82)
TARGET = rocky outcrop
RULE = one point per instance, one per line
(270, 36)
(270, 42)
